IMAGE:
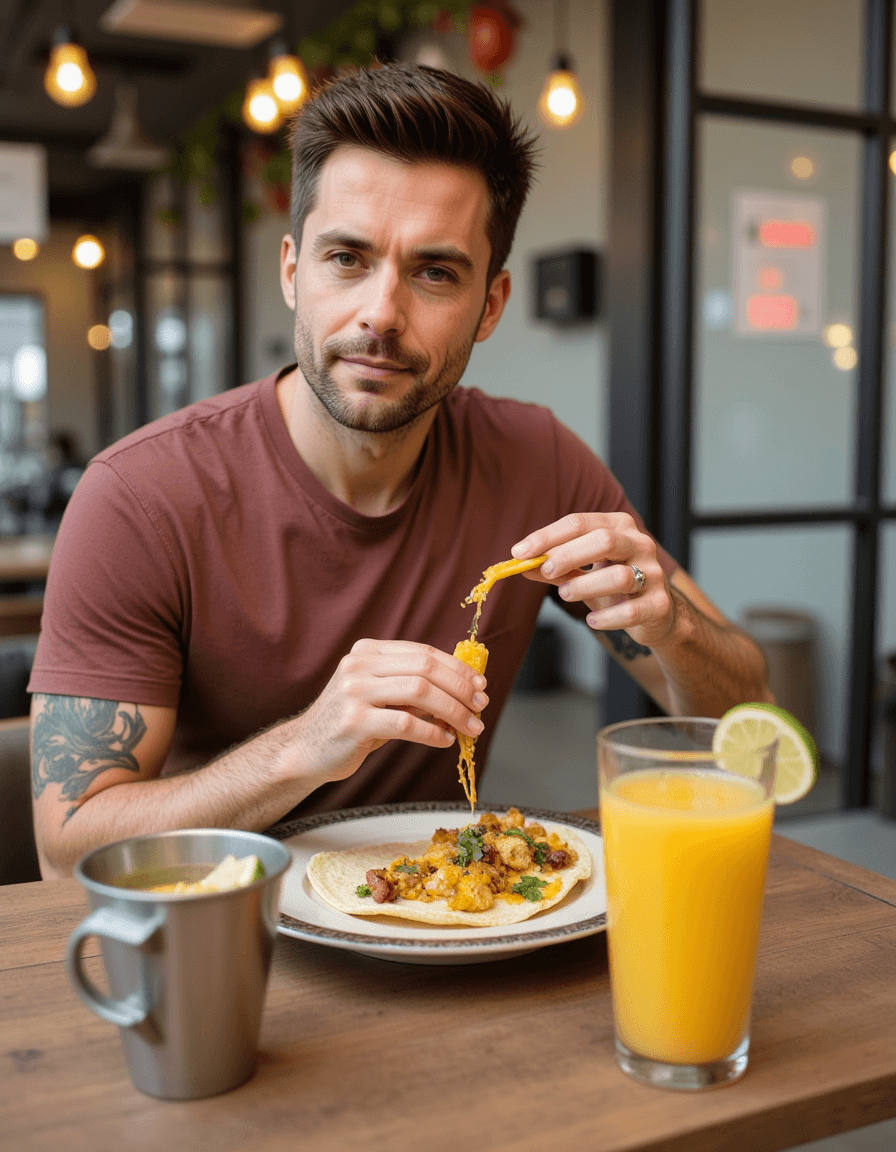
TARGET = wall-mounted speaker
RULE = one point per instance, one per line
(566, 287)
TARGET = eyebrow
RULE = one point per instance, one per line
(438, 254)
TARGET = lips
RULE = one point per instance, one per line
(375, 365)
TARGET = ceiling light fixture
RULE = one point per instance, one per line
(288, 78)
(88, 252)
(223, 23)
(69, 79)
(560, 103)
(261, 110)
(125, 145)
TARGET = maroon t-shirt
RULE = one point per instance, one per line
(200, 565)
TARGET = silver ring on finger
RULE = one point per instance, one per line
(640, 579)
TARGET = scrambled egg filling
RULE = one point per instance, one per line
(500, 858)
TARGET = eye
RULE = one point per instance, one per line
(345, 259)
(437, 275)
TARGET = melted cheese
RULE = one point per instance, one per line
(475, 656)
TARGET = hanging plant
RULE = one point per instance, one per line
(351, 40)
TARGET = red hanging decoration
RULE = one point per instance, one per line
(491, 34)
(443, 21)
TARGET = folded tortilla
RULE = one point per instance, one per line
(334, 876)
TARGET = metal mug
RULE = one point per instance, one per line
(187, 973)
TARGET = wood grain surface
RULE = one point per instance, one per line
(509, 1056)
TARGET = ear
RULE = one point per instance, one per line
(288, 258)
(498, 295)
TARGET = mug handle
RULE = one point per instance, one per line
(114, 924)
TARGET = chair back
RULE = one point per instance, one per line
(18, 853)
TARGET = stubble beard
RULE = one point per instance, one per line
(384, 417)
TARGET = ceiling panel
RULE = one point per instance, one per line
(177, 81)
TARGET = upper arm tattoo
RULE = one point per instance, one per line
(625, 646)
(76, 739)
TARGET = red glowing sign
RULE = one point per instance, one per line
(770, 278)
(772, 313)
(786, 234)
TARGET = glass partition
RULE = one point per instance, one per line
(211, 341)
(790, 587)
(775, 358)
(23, 408)
(804, 51)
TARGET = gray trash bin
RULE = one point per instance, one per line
(789, 641)
(885, 799)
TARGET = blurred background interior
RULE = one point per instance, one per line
(701, 291)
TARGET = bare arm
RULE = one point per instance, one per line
(670, 637)
(96, 764)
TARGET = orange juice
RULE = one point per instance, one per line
(685, 853)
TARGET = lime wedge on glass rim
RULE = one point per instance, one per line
(748, 727)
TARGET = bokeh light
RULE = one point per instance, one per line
(845, 358)
(99, 337)
(88, 252)
(802, 167)
(25, 248)
(838, 335)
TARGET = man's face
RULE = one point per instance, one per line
(389, 286)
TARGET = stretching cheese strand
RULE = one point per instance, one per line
(475, 656)
(489, 576)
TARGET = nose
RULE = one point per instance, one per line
(383, 310)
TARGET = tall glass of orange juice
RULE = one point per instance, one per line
(686, 841)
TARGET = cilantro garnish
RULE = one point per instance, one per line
(362, 890)
(469, 846)
(529, 887)
(405, 867)
(541, 852)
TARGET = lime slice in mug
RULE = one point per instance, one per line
(233, 873)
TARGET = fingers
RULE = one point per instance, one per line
(592, 540)
(606, 561)
(613, 580)
(397, 655)
(435, 690)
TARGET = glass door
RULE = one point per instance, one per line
(774, 424)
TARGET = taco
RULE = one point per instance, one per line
(497, 871)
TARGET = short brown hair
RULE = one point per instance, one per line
(416, 113)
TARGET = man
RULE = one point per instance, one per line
(252, 602)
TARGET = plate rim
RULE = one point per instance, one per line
(303, 930)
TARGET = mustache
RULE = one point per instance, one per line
(388, 349)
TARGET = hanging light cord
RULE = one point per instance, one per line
(561, 36)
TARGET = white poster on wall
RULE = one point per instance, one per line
(23, 192)
(777, 263)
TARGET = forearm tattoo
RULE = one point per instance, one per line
(625, 646)
(76, 739)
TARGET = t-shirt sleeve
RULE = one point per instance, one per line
(116, 605)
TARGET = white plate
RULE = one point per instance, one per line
(306, 916)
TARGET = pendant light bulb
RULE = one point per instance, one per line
(88, 252)
(69, 79)
(560, 103)
(288, 79)
(261, 110)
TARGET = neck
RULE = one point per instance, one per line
(371, 472)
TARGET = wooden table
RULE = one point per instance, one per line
(362, 1055)
(24, 558)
